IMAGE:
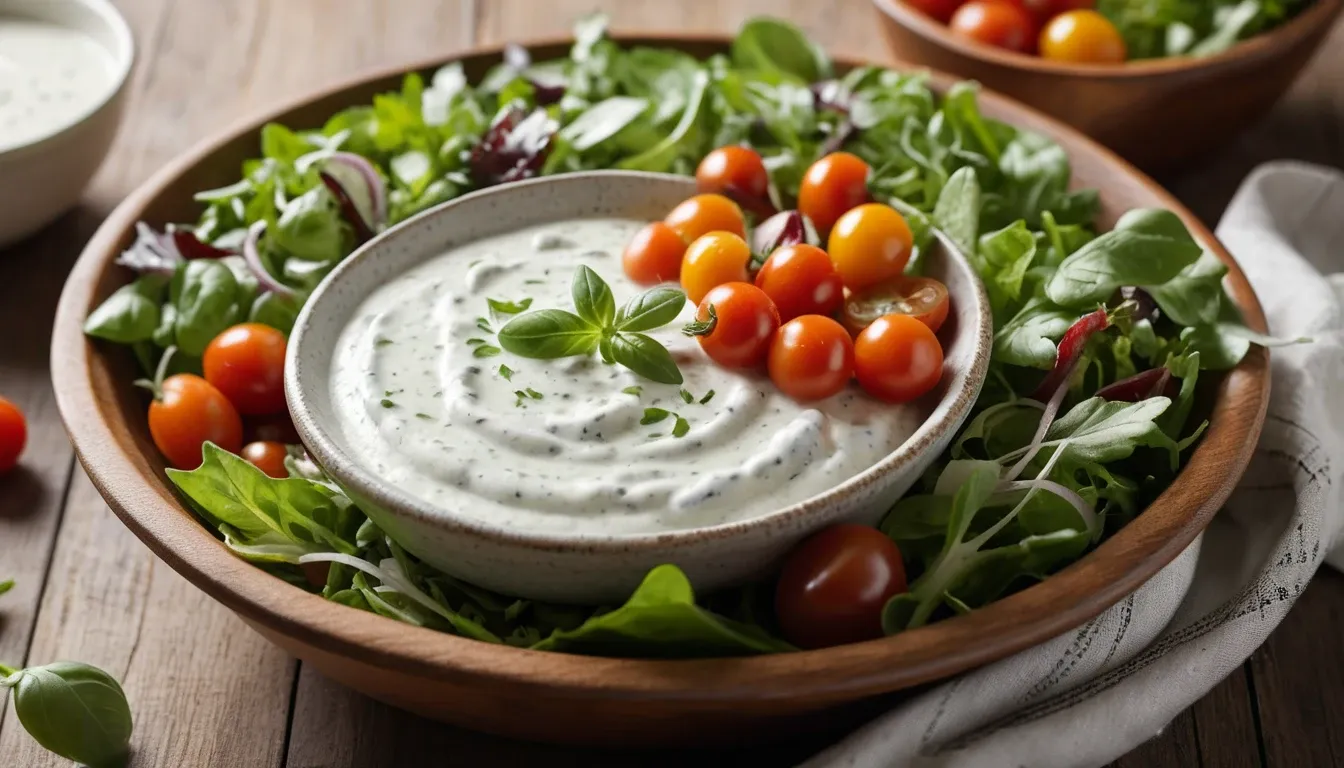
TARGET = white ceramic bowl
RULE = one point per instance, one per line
(43, 178)
(590, 569)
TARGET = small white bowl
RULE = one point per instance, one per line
(591, 569)
(43, 178)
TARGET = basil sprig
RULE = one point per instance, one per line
(597, 326)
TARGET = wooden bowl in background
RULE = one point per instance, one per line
(585, 700)
(1157, 113)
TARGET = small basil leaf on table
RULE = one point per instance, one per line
(645, 357)
(1147, 247)
(130, 314)
(74, 710)
(652, 309)
(592, 298)
(550, 333)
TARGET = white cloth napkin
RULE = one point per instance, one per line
(1091, 695)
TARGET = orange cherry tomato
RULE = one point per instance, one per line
(713, 259)
(247, 363)
(702, 214)
(736, 323)
(267, 456)
(811, 358)
(941, 10)
(187, 412)
(654, 255)
(869, 244)
(831, 186)
(736, 169)
(1082, 37)
(834, 585)
(897, 359)
(922, 298)
(13, 434)
(801, 280)
(998, 23)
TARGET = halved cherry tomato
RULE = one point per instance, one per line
(735, 323)
(897, 359)
(941, 10)
(186, 412)
(13, 434)
(801, 280)
(713, 259)
(654, 254)
(811, 358)
(834, 585)
(702, 214)
(831, 186)
(999, 23)
(267, 456)
(247, 363)
(735, 170)
(869, 244)
(1084, 37)
(922, 298)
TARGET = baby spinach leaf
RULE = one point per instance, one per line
(957, 211)
(1005, 256)
(775, 46)
(311, 228)
(1195, 295)
(74, 710)
(130, 314)
(548, 334)
(1028, 339)
(592, 298)
(1147, 247)
(645, 357)
(652, 309)
(274, 310)
(206, 304)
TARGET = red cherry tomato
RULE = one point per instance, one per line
(811, 358)
(703, 214)
(267, 456)
(13, 434)
(186, 413)
(897, 359)
(713, 259)
(831, 186)
(1082, 37)
(654, 255)
(738, 332)
(941, 10)
(834, 585)
(247, 363)
(801, 280)
(996, 22)
(869, 244)
(735, 170)
(922, 298)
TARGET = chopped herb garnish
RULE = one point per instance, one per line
(506, 372)
(655, 435)
(635, 390)
(391, 392)
(654, 415)
(484, 325)
(681, 427)
(509, 307)
(485, 350)
(532, 393)
(475, 342)
(708, 396)
(687, 397)
(387, 403)
(381, 342)
(424, 416)
(534, 281)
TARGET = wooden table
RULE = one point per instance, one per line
(209, 692)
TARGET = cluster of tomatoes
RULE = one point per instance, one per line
(784, 316)
(1060, 30)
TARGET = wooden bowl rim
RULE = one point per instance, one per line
(1245, 54)
(146, 504)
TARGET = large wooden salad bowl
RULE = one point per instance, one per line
(579, 699)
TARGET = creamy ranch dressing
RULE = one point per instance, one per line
(50, 76)
(416, 407)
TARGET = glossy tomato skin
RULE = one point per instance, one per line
(922, 298)
(834, 584)
(247, 363)
(1082, 37)
(941, 10)
(702, 214)
(811, 358)
(833, 185)
(13, 434)
(745, 321)
(801, 280)
(188, 412)
(1000, 23)
(267, 456)
(733, 169)
(713, 259)
(869, 244)
(897, 359)
(654, 254)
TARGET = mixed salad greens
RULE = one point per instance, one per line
(1157, 28)
(1100, 338)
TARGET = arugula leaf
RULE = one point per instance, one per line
(1102, 431)
(652, 309)
(1147, 247)
(645, 357)
(602, 121)
(548, 334)
(592, 298)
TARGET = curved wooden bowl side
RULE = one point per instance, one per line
(1160, 113)
(601, 700)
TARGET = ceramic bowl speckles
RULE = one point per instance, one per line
(588, 568)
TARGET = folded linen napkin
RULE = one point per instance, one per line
(1091, 695)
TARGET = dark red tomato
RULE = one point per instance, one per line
(654, 254)
(188, 411)
(833, 185)
(897, 358)
(735, 323)
(13, 434)
(801, 280)
(834, 585)
(811, 358)
(247, 363)
(268, 457)
(733, 170)
(999, 23)
(941, 10)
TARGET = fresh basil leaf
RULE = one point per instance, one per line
(602, 121)
(645, 357)
(74, 710)
(1195, 295)
(206, 305)
(549, 334)
(1028, 339)
(592, 298)
(651, 309)
(1147, 247)
(957, 211)
(130, 314)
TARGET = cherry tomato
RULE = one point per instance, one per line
(654, 255)
(713, 259)
(702, 214)
(941, 10)
(811, 358)
(922, 298)
(801, 280)
(742, 323)
(275, 427)
(897, 359)
(188, 411)
(267, 456)
(13, 434)
(996, 22)
(1083, 37)
(834, 585)
(869, 244)
(247, 363)
(831, 186)
(733, 168)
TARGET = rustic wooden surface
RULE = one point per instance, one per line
(209, 692)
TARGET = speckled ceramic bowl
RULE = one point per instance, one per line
(591, 569)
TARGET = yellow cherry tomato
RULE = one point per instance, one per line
(713, 259)
(869, 244)
(706, 213)
(1082, 37)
